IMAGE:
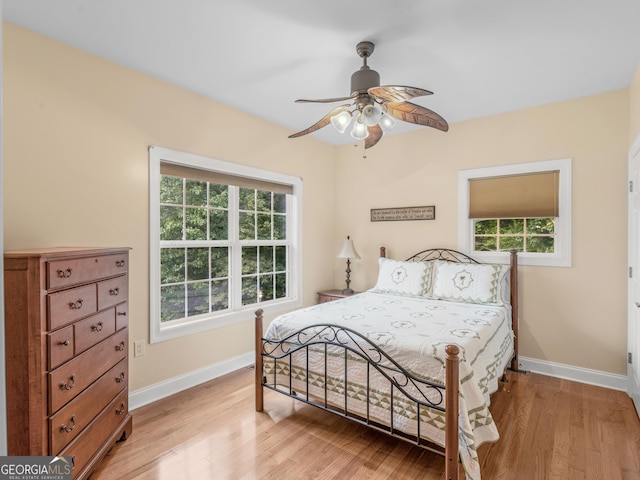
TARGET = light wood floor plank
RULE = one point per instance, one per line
(550, 429)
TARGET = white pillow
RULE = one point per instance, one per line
(404, 278)
(473, 283)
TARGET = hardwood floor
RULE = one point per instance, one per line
(550, 429)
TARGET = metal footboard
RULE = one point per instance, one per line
(328, 340)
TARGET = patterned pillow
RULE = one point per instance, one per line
(463, 282)
(404, 278)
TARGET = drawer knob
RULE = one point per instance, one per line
(121, 410)
(68, 386)
(75, 305)
(120, 347)
(97, 328)
(114, 291)
(65, 343)
(120, 378)
(64, 273)
(69, 429)
(123, 314)
(120, 263)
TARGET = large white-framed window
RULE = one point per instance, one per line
(225, 240)
(524, 206)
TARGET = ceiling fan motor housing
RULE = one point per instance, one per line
(363, 79)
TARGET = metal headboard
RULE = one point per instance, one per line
(445, 254)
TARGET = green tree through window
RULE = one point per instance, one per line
(197, 244)
(533, 235)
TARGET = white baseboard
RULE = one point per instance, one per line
(152, 393)
(577, 374)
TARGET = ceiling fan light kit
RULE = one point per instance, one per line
(375, 108)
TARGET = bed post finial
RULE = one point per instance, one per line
(452, 382)
(383, 252)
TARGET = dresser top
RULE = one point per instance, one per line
(62, 251)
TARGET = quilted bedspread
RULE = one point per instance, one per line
(414, 332)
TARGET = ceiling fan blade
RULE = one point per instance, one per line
(323, 100)
(397, 93)
(323, 122)
(375, 134)
(412, 113)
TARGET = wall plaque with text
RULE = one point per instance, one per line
(403, 213)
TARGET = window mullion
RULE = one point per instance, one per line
(235, 256)
(184, 209)
(290, 234)
(186, 284)
(210, 273)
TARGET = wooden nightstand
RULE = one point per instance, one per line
(331, 295)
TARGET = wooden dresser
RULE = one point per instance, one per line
(67, 343)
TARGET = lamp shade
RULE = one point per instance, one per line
(359, 131)
(348, 250)
(341, 121)
(387, 122)
(370, 115)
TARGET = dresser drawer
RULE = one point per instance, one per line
(122, 315)
(94, 329)
(84, 446)
(70, 420)
(111, 292)
(70, 305)
(64, 273)
(60, 346)
(67, 381)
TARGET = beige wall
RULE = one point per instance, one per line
(76, 131)
(574, 316)
(634, 102)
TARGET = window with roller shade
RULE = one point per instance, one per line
(224, 242)
(526, 207)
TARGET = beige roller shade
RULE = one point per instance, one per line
(513, 196)
(223, 178)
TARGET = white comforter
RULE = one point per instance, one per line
(414, 332)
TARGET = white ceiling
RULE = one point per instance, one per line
(478, 57)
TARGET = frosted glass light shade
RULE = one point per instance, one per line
(341, 121)
(387, 122)
(370, 115)
(360, 131)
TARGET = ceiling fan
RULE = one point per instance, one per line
(375, 108)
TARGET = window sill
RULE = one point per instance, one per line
(531, 259)
(212, 322)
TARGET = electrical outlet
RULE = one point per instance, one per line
(138, 348)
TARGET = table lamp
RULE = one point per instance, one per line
(348, 251)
